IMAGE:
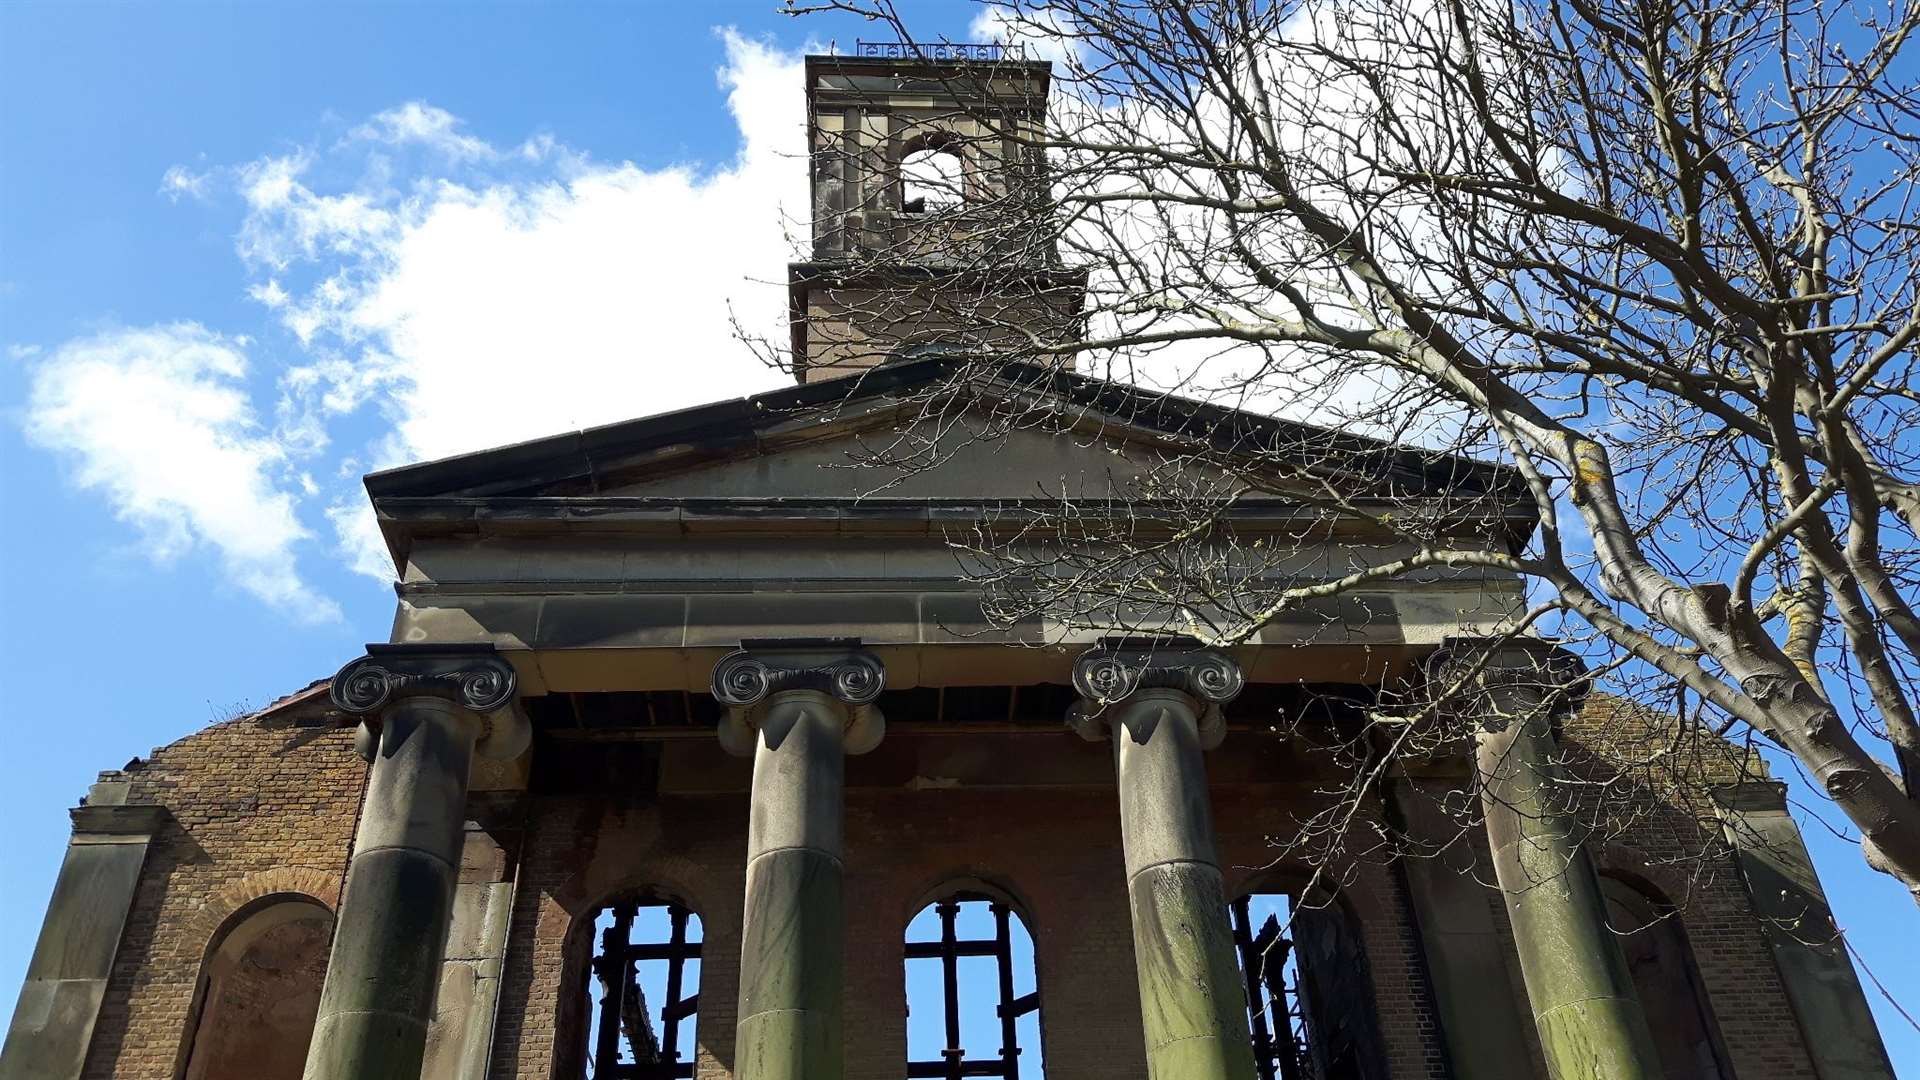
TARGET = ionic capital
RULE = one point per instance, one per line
(752, 679)
(1121, 671)
(473, 679)
(1492, 677)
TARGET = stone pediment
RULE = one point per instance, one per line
(971, 464)
(1070, 437)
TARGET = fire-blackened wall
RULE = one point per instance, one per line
(265, 807)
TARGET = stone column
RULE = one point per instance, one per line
(798, 710)
(1162, 707)
(429, 709)
(73, 959)
(1578, 986)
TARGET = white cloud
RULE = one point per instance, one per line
(181, 182)
(427, 125)
(1043, 33)
(463, 294)
(492, 309)
(157, 421)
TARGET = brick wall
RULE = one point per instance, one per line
(914, 825)
(262, 807)
(1659, 832)
(258, 808)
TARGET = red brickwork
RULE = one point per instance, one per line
(262, 808)
(1055, 851)
(258, 808)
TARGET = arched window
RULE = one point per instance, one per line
(1309, 997)
(973, 1008)
(933, 175)
(1667, 983)
(644, 990)
(259, 990)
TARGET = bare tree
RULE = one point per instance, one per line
(1654, 257)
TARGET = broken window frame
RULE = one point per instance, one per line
(1272, 999)
(946, 187)
(953, 1063)
(619, 955)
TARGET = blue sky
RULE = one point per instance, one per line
(250, 251)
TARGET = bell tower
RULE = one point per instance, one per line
(930, 209)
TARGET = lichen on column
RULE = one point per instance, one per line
(429, 710)
(1581, 994)
(1161, 707)
(798, 712)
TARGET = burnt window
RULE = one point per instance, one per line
(1309, 994)
(1666, 981)
(972, 1002)
(644, 989)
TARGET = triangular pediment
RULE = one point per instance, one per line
(1062, 436)
(971, 462)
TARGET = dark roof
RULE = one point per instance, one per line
(578, 461)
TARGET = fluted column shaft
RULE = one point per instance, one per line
(392, 927)
(1193, 1002)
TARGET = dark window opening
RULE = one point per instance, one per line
(1667, 982)
(972, 1003)
(933, 177)
(1309, 995)
(646, 990)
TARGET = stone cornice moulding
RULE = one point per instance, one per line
(129, 823)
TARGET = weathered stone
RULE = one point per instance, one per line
(394, 912)
(73, 958)
(800, 707)
(1480, 1019)
(1584, 1007)
(1193, 1002)
(1190, 990)
(1799, 927)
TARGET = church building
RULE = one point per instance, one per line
(696, 752)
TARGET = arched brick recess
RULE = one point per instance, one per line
(321, 886)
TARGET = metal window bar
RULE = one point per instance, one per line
(623, 1004)
(954, 1063)
(1280, 1047)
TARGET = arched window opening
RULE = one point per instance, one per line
(933, 177)
(1309, 998)
(258, 994)
(1668, 984)
(645, 990)
(972, 1004)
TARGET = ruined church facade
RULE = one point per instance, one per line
(691, 755)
